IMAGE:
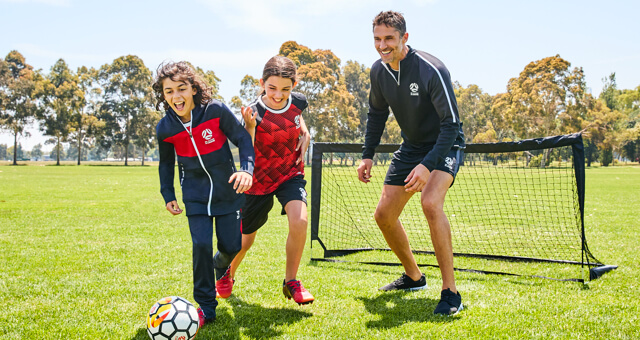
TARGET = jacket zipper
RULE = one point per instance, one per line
(201, 164)
(391, 73)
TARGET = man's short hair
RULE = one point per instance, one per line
(391, 19)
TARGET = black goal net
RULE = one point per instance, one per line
(513, 201)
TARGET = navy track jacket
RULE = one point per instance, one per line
(422, 99)
(205, 162)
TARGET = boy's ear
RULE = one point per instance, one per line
(261, 83)
(294, 85)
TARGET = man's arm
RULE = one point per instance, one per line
(444, 101)
(376, 118)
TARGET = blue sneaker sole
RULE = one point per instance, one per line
(460, 308)
(416, 288)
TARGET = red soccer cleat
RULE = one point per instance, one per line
(294, 289)
(224, 286)
(203, 318)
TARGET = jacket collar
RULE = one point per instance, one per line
(196, 113)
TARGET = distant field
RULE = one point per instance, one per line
(85, 251)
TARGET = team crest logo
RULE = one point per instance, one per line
(414, 89)
(449, 163)
(208, 136)
(297, 121)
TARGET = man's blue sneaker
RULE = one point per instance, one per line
(450, 303)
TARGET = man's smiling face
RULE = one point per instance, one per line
(389, 44)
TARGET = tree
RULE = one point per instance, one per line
(145, 127)
(36, 152)
(331, 114)
(544, 96)
(86, 125)
(603, 128)
(610, 91)
(474, 108)
(18, 105)
(63, 99)
(127, 93)
(19, 154)
(544, 99)
(3, 151)
(628, 102)
(358, 83)
(249, 89)
(213, 81)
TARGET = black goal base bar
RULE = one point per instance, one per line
(594, 273)
(344, 252)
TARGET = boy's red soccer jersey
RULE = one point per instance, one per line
(277, 134)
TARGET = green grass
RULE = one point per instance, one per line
(86, 251)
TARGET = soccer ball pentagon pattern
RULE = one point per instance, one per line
(172, 318)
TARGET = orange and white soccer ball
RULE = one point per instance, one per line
(172, 318)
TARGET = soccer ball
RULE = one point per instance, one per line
(172, 318)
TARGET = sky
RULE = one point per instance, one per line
(481, 42)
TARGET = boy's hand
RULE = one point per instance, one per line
(174, 208)
(243, 181)
(303, 144)
(249, 117)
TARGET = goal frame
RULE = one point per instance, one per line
(596, 267)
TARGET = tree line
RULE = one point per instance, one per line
(111, 110)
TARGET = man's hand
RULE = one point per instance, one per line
(364, 170)
(174, 208)
(243, 181)
(417, 179)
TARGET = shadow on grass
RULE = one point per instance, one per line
(400, 307)
(255, 321)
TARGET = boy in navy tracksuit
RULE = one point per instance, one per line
(195, 128)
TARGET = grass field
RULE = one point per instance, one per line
(86, 251)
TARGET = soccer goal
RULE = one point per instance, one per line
(511, 202)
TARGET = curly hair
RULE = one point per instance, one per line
(180, 71)
(391, 19)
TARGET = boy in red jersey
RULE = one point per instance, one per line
(281, 138)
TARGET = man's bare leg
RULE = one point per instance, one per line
(390, 206)
(432, 199)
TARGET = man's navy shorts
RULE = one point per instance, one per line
(404, 161)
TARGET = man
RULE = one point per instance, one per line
(418, 89)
